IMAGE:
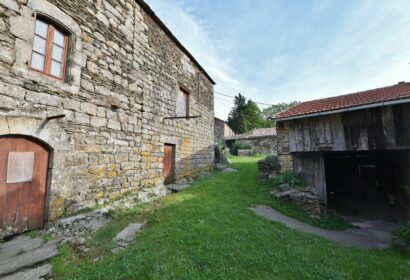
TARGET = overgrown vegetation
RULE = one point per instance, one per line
(273, 162)
(277, 108)
(402, 237)
(238, 145)
(208, 232)
(292, 179)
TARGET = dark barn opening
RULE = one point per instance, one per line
(369, 184)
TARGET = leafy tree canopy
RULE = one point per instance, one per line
(276, 108)
(246, 116)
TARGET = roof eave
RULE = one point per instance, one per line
(347, 109)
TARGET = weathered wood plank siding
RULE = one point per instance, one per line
(311, 166)
(372, 129)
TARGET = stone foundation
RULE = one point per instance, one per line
(265, 170)
(305, 199)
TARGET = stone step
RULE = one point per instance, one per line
(18, 245)
(36, 273)
(29, 259)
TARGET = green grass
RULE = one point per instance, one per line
(208, 232)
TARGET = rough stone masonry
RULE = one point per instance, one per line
(124, 71)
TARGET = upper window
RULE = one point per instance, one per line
(182, 103)
(49, 50)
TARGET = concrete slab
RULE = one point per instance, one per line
(31, 274)
(29, 259)
(359, 238)
(18, 246)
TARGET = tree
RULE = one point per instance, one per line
(246, 116)
(276, 108)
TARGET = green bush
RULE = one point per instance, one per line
(238, 145)
(403, 233)
(273, 162)
(292, 179)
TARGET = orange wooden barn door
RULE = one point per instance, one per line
(23, 180)
(168, 168)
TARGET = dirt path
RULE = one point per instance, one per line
(377, 237)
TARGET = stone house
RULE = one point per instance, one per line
(98, 99)
(261, 140)
(221, 130)
(353, 150)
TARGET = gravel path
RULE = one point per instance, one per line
(377, 237)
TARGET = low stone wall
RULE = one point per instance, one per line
(263, 145)
(265, 170)
(244, 153)
(304, 199)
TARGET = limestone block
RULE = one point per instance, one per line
(114, 125)
(7, 55)
(11, 4)
(89, 108)
(43, 98)
(98, 122)
(71, 104)
(8, 103)
(4, 126)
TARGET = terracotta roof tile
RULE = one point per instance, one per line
(395, 92)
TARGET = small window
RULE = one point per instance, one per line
(49, 50)
(182, 103)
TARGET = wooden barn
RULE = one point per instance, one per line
(354, 150)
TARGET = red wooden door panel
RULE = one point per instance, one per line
(23, 180)
(168, 164)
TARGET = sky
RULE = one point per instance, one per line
(275, 51)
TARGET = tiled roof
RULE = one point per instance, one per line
(395, 92)
(256, 133)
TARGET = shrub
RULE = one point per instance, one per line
(292, 179)
(238, 145)
(273, 162)
(403, 233)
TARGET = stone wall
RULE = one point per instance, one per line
(124, 74)
(285, 156)
(263, 145)
(221, 130)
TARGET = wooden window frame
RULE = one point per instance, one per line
(187, 95)
(48, 57)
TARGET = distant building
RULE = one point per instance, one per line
(262, 140)
(221, 130)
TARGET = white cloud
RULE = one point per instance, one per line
(333, 48)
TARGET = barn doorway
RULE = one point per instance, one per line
(23, 184)
(169, 162)
(369, 184)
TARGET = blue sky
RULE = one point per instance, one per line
(280, 50)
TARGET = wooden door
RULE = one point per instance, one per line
(23, 180)
(168, 164)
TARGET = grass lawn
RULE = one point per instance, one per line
(208, 232)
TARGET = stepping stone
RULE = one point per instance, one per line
(126, 236)
(19, 245)
(29, 258)
(31, 274)
(177, 187)
(229, 170)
